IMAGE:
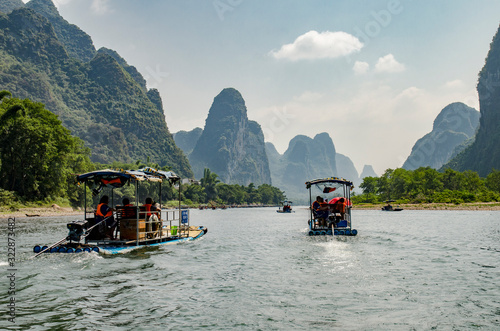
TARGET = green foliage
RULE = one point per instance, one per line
(425, 185)
(7, 197)
(38, 155)
(493, 181)
(209, 183)
(211, 189)
(102, 101)
(195, 193)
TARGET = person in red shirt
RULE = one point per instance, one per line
(152, 220)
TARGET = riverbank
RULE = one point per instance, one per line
(437, 206)
(56, 210)
(53, 210)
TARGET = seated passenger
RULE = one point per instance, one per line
(320, 210)
(129, 209)
(105, 213)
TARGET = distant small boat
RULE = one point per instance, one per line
(286, 207)
(389, 207)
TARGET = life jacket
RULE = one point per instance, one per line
(99, 212)
(340, 206)
(148, 209)
(128, 211)
(315, 205)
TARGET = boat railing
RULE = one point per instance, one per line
(135, 223)
(175, 221)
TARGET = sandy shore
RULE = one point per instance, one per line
(40, 212)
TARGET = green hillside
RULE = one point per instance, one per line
(104, 101)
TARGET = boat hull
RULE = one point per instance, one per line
(335, 232)
(110, 248)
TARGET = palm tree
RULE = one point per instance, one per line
(209, 182)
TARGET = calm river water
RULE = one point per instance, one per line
(258, 270)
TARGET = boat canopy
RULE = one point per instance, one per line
(329, 180)
(118, 178)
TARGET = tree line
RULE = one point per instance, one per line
(427, 185)
(39, 160)
(212, 191)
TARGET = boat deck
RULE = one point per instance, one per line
(183, 232)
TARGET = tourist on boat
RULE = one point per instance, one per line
(150, 206)
(106, 212)
(321, 210)
(151, 215)
(128, 210)
(338, 205)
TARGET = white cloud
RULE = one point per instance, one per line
(360, 67)
(315, 45)
(100, 7)
(389, 64)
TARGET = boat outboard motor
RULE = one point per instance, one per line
(76, 230)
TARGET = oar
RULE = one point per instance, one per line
(50, 247)
(66, 239)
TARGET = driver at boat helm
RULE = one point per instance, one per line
(106, 212)
(320, 208)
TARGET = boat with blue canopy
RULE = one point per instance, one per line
(126, 227)
(330, 211)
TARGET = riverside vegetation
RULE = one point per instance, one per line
(427, 185)
(39, 159)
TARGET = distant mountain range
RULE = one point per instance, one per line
(105, 101)
(97, 95)
(309, 158)
(305, 159)
(452, 130)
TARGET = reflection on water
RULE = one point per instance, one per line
(258, 269)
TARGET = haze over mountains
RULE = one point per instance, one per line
(105, 101)
(228, 140)
(452, 129)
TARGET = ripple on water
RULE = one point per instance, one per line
(257, 269)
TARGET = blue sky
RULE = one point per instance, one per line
(373, 74)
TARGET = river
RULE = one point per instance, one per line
(256, 269)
